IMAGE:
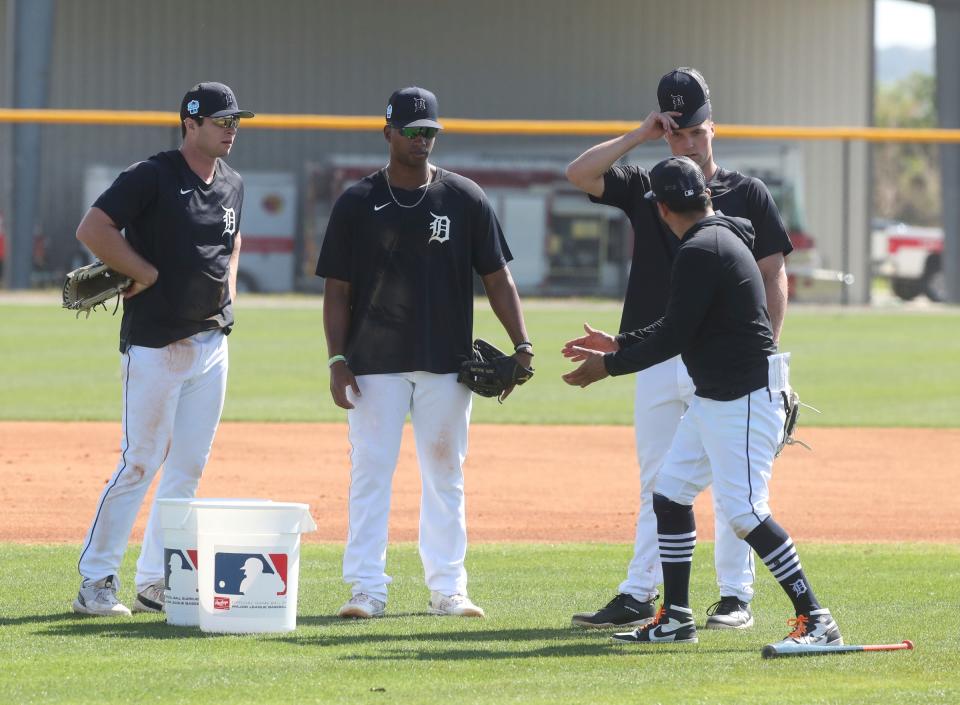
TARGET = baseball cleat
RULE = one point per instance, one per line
(362, 606)
(622, 611)
(99, 598)
(729, 613)
(817, 628)
(672, 625)
(150, 599)
(456, 605)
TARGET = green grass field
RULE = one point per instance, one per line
(858, 368)
(524, 652)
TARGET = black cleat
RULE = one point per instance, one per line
(729, 613)
(622, 611)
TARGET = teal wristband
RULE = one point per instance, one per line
(335, 359)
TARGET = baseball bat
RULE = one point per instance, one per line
(792, 649)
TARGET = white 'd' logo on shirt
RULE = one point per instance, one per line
(439, 228)
(229, 222)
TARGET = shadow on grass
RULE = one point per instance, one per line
(119, 627)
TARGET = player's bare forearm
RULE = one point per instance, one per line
(234, 264)
(336, 315)
(774, 272)
(336, 327)
(586, 171)
(505, 302)
(102, 237)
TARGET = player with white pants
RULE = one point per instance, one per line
(663, 391)
(716, 317)
(399, 255)
(171, 223)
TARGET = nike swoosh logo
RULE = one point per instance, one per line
(377, 208)
(665, 631)
(183, 193)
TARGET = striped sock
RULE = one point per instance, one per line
(776, 549)
(677, 537)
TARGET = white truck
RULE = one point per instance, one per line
(911, 257)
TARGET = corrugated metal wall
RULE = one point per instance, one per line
(767, 61)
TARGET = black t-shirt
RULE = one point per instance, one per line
(411, 270)
(716, 315)
(186, 229)
(654, 246)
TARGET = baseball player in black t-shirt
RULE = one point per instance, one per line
(664, 391)
(180, 216)
(399, 254)
(716, 317)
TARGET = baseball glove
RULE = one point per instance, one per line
(791, 405)
(490, 372)
(92, 285)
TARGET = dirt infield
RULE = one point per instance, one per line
(529, 483)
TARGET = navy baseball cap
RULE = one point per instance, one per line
(211, 99)
(683, 90)
(413, 107)
(676, 181)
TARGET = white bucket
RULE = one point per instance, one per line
(179, 523)
(249, 564)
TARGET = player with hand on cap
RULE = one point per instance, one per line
(664, 391)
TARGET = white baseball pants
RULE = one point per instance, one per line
(172, 400)
(663, 394)
(731, 444)
(439, 409)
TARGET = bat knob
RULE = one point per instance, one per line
(908, 643)
(769, 651)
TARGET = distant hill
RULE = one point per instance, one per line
(895, 63)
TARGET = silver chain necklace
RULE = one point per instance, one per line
(419, 201)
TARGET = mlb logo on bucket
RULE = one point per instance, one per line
(180, 568)
(260, 576)
(221, 603)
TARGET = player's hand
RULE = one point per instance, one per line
(593, 340)
(525, 359)
(592, 369)
(657, 124)
(139, 286)
(340, 379)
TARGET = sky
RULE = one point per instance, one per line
(903, 23)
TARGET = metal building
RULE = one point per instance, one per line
(768, 62)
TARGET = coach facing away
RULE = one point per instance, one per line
(716, 318)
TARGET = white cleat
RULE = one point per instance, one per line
(362, 606)
(453, 606)
(151, 599)
(99, 598)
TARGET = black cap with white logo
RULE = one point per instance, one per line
(211, 99)
(676, 181)
(413, 107)
(683, 90)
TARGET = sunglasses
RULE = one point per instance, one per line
(226, 122)
(414, 132)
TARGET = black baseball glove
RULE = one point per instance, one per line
(92, 285)
(490, 372)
